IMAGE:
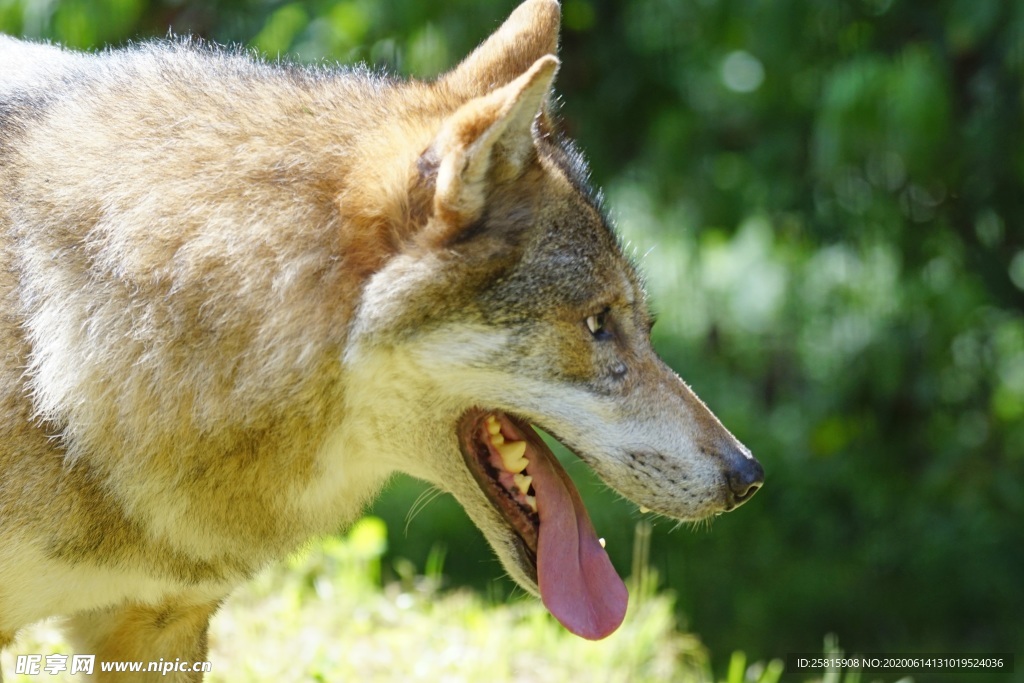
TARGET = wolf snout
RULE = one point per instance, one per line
(743, 473)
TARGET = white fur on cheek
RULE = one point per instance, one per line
(401, 404)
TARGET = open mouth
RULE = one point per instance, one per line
(535, 496)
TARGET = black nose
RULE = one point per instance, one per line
(744, 475)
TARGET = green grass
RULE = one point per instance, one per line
(324, 616)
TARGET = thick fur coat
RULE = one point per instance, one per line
(236, 297)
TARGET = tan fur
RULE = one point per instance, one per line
(235, 298)
(171, 630)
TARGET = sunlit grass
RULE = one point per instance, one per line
(324, 617)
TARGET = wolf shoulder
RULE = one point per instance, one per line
(180, 87)
(26, 65)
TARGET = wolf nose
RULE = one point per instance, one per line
(744, 476)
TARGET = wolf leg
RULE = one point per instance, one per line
(167, 639)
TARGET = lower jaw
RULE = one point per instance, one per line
(541, 508)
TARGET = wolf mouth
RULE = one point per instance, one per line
(537, 500)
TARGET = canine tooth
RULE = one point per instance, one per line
(644, 509)
(513, 450)
(493, 426)
(512, 455)
(497, 439)
(601, 541)
(532, 502)
(522, 482)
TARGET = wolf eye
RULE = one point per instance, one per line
(597, 325)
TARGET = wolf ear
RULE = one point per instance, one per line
(529, 33)
(487, 141)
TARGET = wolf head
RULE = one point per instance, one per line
(513, 305)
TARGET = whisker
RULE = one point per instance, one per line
(422, 501)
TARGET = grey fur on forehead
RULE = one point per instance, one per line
(569, 257)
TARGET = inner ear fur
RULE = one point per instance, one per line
(488, 141)
(529, 33)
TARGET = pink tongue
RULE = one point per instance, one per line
(577, 581)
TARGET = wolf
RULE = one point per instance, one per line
(236, 297)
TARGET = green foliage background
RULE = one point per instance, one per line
(828, 200)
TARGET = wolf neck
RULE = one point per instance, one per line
(229, 290)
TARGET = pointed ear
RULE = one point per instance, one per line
(530, 32)
(487, 141)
